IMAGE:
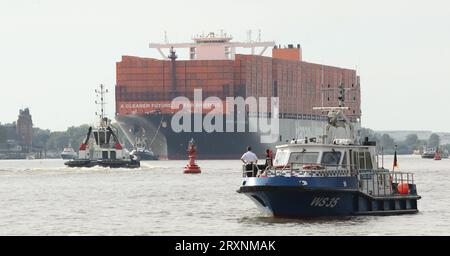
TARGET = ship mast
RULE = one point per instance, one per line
(173, 57)
(101, 93)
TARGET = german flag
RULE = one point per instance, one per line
(395, 158)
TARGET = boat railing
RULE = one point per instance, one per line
(382, 182)
(300, 169)
(402, 177)
(375, 182)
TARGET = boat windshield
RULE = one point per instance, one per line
(331, 158)
(303, 157)
(284, 157)
(281, 158)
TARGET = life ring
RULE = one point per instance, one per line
(312, 167)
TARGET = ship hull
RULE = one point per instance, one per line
(428, 156)
(111, 163)
(168, 144)
(145, 156)
(68, 156)
(321, 197)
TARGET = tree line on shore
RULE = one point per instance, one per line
(406, 146)
(55, 141)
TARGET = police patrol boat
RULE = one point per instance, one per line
(101, 146)
(330, 176)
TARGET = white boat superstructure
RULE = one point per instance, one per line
(102, 145)
(68, 153)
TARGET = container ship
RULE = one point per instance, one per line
(146, 88)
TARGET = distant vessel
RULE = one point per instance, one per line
(428, 153)
(144, 154)
(142, 151)
(329, 176)
(102, 146)
(68, 153)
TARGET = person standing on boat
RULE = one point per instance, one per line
(250, 160)
(269, 157)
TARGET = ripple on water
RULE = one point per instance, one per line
(47, 198)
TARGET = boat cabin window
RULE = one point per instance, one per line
(102, 137)
(363, 160)
(108, 137)
(96, 137)
(303, 157)
(368, 161)
(281, 158)
(331, 158)
(344, 160)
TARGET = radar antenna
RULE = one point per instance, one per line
(100, 93)
(336, 116)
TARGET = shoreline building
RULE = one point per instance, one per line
(24, 130)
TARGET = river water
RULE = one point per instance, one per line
(42, 197)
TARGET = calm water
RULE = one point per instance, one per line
(41, 197)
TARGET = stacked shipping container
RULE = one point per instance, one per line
(144, 84)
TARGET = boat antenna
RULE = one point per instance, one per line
(101, 93)
(336, 116)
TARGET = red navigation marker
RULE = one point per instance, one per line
(192, 167)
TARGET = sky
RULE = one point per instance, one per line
(53, 54)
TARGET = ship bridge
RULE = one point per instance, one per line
(213, 47)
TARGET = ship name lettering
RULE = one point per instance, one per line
(325, 202)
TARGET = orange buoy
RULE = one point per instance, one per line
(403, 188)
(192, 167)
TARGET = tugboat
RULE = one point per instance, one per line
(142, 151)
(101, 146)
(329, 176)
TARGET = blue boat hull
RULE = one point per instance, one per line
(317, 197)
